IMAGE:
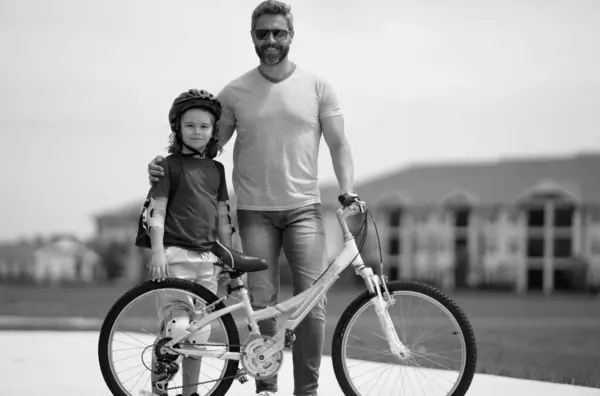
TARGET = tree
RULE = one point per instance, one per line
(113, 257)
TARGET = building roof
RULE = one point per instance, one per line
(19, 252)
(132, 210)
(65, 244)
(491, 182)
(128, 210)
(484, 182)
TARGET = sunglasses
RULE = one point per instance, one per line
(279, 34)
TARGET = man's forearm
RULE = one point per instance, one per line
(343, 166)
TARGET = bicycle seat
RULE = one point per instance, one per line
(241, 262)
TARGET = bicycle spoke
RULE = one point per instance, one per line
(132, 336)
(425, 327)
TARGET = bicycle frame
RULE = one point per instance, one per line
(301, 304)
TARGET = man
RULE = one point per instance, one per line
(280, 113)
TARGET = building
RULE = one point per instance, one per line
(521, 224)
(119, 226)
(525, 223)
(17, 261)
(66, 258)
(61, 258)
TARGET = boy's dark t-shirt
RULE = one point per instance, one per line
(191, 219)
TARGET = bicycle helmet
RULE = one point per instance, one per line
(193, 98)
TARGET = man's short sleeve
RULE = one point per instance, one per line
(161, 188)
(223, 194)
(329, 104)
(227, 114)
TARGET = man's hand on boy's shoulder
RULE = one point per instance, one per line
(155, 171)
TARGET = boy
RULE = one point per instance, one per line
(184, 226)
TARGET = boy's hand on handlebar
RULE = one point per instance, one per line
(155, 171)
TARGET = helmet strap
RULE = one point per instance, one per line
(194, 151)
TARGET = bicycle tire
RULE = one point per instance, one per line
(417, 287)
(148, 286)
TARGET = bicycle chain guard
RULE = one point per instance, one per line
(255, 363)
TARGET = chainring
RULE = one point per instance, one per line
(255, 363)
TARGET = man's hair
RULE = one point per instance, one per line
(273, 7)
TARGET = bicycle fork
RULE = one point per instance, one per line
(381, 303)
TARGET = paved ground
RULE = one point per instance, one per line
(544, 338)
(64, 363)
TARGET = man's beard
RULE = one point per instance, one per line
(272, 58)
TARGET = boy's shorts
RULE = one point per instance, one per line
(191, 265)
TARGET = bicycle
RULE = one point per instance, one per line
(262, 356)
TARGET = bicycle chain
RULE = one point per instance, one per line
(202, 383)
(214, 380)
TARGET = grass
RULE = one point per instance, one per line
(534, 337)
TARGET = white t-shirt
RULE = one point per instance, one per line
(275, 157)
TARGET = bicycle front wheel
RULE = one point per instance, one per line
(443, 352)
(132, 330)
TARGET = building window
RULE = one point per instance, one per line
(394, 273)
(563, 247)
(563, 217)
(395, 217)
(394, 246)
(536, 217)
(461, 217)
(535, 247)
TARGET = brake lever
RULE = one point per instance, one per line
(362, 206)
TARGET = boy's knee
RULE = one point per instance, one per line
(176, 327)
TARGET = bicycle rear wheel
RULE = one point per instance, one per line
(443, 348)
(131, 330)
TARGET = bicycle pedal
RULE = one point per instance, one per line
(290, 337)
(241, 376)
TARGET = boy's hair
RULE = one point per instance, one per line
(194, 99)
(273, 7)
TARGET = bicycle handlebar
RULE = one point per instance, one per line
(351, 205)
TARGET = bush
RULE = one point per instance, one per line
(574, 277)
(113, 258)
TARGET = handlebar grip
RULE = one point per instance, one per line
(348, 199)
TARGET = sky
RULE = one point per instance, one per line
(85, 88)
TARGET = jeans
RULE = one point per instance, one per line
(301, 234)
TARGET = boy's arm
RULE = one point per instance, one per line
(224, 227)
(157, 211)
(158, 266)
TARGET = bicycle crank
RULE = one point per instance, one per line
(255, 363)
